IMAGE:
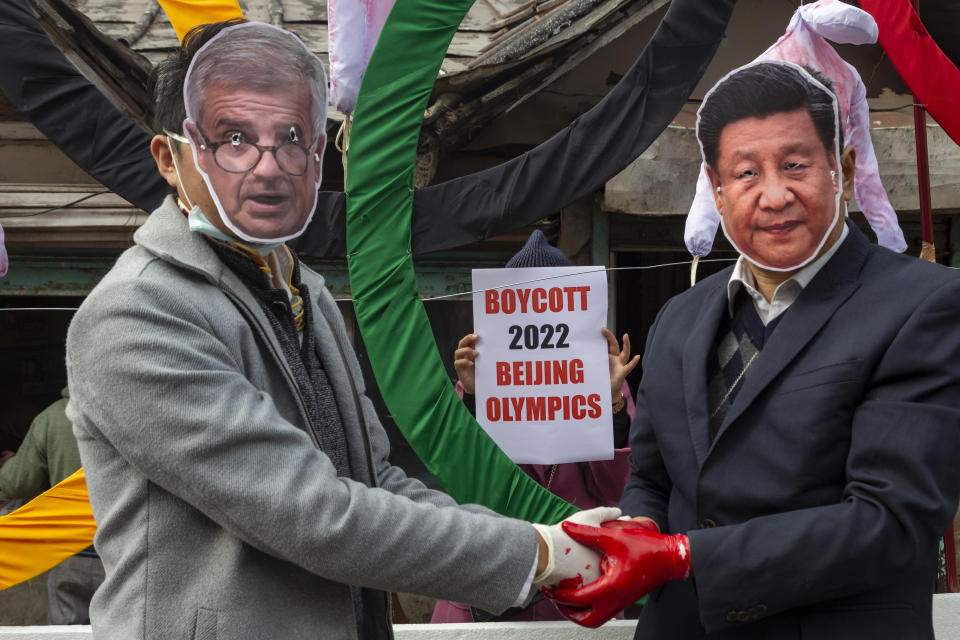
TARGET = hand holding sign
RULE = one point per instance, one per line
(463, 361)
(620, 363)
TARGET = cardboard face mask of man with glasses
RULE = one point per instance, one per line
(258, 143)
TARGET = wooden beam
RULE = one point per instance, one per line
(15, 130)
(40, 215)
(143, 23)
(305, 11)
(114, 10)
(622, 25)
(456, 127)
(118, 72)
(510, 84)
(58, 271)
(522, 41)
(593, 21)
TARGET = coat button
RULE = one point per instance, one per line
(731, 616)
(743, 616)
(707, 524)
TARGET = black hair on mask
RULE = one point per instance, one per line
(762, 90)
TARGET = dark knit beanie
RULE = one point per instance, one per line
(538, 253)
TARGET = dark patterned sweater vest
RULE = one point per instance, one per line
(737, 346)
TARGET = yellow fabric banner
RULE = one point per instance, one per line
(46, 531)
(186, 14)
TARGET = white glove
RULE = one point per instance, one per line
(570, 559)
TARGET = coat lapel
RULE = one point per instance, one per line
(167, 235)
(695, 355)
(829, 289)
(332, 354)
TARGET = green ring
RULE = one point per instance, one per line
(391, 317)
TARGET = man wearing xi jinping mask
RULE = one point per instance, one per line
(237, 471)
(798, 421)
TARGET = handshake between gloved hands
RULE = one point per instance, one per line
(599, 565)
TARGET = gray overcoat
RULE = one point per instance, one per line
(218, 516)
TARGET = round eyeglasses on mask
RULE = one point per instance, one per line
(236, 155)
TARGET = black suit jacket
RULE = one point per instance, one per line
(815, 513)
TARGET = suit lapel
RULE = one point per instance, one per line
(695, 354)
(829, 289)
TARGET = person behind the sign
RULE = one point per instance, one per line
(584, 484)
(798, 420)
(237, 471)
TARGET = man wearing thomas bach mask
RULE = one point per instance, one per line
(257, 140)
(268, 194)
(798, 420)
(237, 470)
(258, 153)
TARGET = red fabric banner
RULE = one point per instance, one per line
(930, 74)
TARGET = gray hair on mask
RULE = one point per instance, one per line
(258, 57)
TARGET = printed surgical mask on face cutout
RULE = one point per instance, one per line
(197, 220)
(255, 127)
(779, 191)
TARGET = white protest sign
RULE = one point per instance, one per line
(543, 376)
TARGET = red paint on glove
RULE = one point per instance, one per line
(571, 583)
(648, 525)
(636, 560)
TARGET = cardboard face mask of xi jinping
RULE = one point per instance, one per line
(255, 100)
(770, 136)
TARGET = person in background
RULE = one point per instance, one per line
(587, 485)
(48, 455)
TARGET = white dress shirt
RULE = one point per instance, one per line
(786, 292)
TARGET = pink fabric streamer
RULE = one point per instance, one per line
(805, 43)
(4, 261)
(354, 27)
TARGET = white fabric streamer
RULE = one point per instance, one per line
(353, 29)
(804, 43)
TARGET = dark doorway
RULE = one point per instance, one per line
(33, 334)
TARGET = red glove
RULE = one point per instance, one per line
(636, 560)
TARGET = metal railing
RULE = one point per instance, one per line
(946, 624)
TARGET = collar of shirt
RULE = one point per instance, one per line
(786, 292)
